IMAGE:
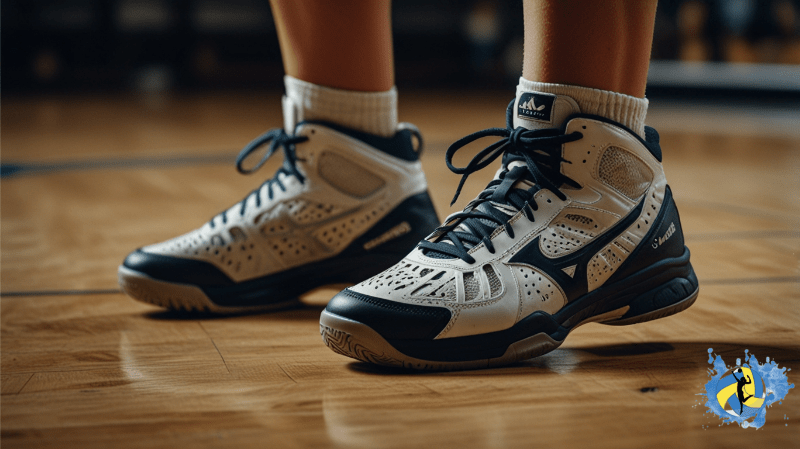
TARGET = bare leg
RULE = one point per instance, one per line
(346, 44)
(599, 44)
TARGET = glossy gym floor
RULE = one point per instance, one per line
(85, 366)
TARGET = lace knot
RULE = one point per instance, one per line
(539, 149)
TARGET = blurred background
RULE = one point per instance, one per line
(736, 46)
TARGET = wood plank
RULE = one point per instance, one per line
(102, 370)
(14, 383)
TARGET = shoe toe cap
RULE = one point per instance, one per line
(176, 269)
(393, 320)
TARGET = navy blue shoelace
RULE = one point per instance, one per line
(277, 138)
(540, 150)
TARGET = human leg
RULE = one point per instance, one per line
(615, 38)
(362, 58)
(578, 226)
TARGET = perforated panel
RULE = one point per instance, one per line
(273, 227)
(303, 211)
(604, 263)
(565, 236)
(338, 234)
(443, 292)
(537, 291)
(289, 248)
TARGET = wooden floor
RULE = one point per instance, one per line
(85, 366)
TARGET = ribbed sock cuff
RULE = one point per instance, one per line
(370, 112)
(625, 109)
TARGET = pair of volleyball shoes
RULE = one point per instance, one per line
(577, 226)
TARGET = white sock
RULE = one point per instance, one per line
(369, 112)
(625, 109)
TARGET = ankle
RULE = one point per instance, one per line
(625, 109)
(369, 112)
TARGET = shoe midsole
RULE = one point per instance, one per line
(674, 274)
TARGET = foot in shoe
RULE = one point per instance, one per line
(578, 226)
(344, 206)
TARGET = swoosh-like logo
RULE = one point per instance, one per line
(574, 286)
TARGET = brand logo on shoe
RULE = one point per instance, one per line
(660, 240)
(397, 231)
(535, 106)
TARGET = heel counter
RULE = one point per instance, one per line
(401, 145)
(664, 240)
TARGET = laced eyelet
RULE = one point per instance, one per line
(538, 150)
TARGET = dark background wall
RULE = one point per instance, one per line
(162, 45)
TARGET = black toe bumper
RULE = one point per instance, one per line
(393, 320)
(175, 269)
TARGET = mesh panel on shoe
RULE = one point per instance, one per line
(347, 176)
(471, 288)
(494, 282)
(624, 172)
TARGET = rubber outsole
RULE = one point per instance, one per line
(183, 297)
(357, 340)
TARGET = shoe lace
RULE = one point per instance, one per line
(539, 149)
(277, 138)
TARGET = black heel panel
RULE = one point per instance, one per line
(668, 296)
(667, 299)
(656, 280)
(664, 241)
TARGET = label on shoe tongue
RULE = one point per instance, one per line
(536, 106)
(536, 110)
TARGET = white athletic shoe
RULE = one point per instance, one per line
(578, 225)
(344, 206)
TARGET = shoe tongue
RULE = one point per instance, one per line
(539, 110)
(291, 114)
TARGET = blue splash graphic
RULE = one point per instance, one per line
(775, 387)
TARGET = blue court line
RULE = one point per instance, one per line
(13, 169)
(109, 291)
